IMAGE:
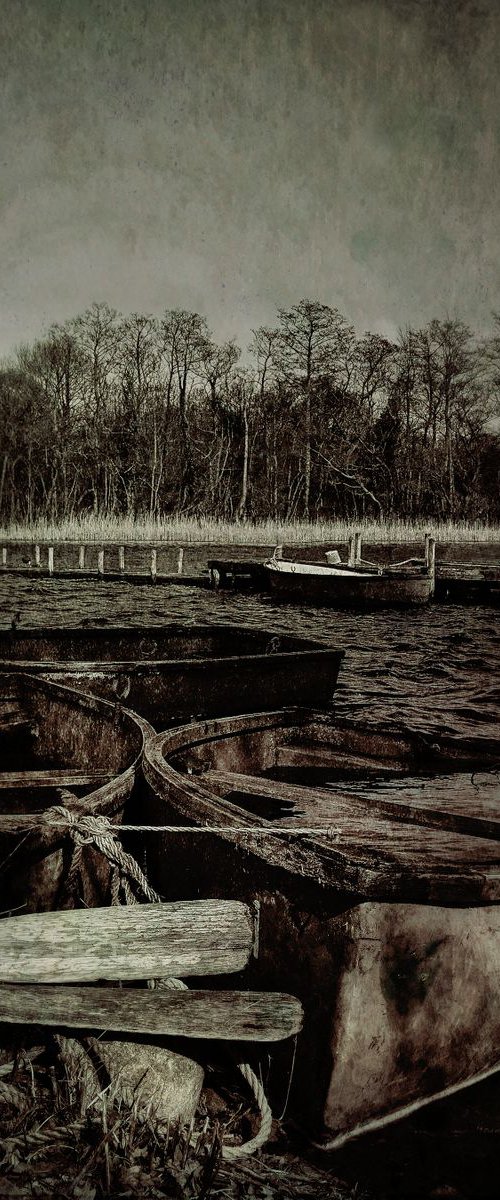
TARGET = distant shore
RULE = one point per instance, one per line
(184, 531)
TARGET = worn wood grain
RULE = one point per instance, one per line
(230, 1016)
(207, 937)
(53, 779)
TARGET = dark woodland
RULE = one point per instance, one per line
(136, 415)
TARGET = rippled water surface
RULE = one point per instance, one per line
(437, 667)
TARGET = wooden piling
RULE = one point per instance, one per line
(50, 559)
(121, 559)
(37, 556)
(430, 558)
(81, 558)
(180, 561)
(4, 556)
(100, 562)
(153, 564)
(354, 552)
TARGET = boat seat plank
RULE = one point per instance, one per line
(356, 827)
(227, 1015)
(325, 758)
(78, 945)
(53, 779)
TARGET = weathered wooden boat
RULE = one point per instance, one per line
(59, 748)
(379, 894)
(177, 672)
(345, 586)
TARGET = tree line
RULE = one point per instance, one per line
(133, 415)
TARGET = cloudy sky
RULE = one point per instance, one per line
(229, 156)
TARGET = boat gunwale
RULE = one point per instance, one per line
(110, 792)
(313, 854)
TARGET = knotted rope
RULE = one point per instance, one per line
(89, 830)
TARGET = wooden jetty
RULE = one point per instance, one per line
(379, 894)
(35, 568)
(454, 582)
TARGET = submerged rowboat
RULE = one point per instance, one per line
(344, 586)
(379, 894)
(177, 672)
(58, 748)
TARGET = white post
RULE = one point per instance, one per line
(81, 558)
(4, 556)
(153, 564)
(431, 561)
(100, 562)
(37, 556)
(357, 547)
(180, 561)
(121, 558)
(50, 559)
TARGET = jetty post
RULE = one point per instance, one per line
(50, 559)
(121, 559)
(430, 559)
(81, 558)
(153, 565)
(4, 556)
(100, 562)
(37, 556)
(354, 553)
(180, 561)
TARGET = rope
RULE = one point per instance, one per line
(98, 831)
(255, 1143)
(59, 821)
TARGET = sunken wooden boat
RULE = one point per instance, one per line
(374, 856)
(349, 587)
(177, 672)
(59, 748)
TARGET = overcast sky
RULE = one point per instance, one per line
(229, 156)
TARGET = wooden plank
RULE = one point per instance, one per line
(323, 758)
(208, 937)
(366, 848)
(456, 802)
(229, 1016)
(53, 779)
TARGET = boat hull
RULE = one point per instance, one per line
(351, 590)
(59, 748)
(399, 980)
(175, 673)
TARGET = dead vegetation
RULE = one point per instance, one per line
(53, 1144)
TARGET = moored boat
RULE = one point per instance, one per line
(379, 894)
(60, 748)
(176, 672)
(345, 586)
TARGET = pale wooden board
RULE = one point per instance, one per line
(230, 1016)
(208, 937)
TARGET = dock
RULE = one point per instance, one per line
(102, 572)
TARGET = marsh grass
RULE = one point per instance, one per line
(183, 531)
(52, 1145)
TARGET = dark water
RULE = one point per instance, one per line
(437, 667)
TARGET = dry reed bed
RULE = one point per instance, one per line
(207, 531)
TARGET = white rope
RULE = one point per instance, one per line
(255, 1143)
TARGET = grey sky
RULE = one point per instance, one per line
(228, 156)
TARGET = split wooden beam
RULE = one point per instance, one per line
(229, 1016)
(200, 937)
